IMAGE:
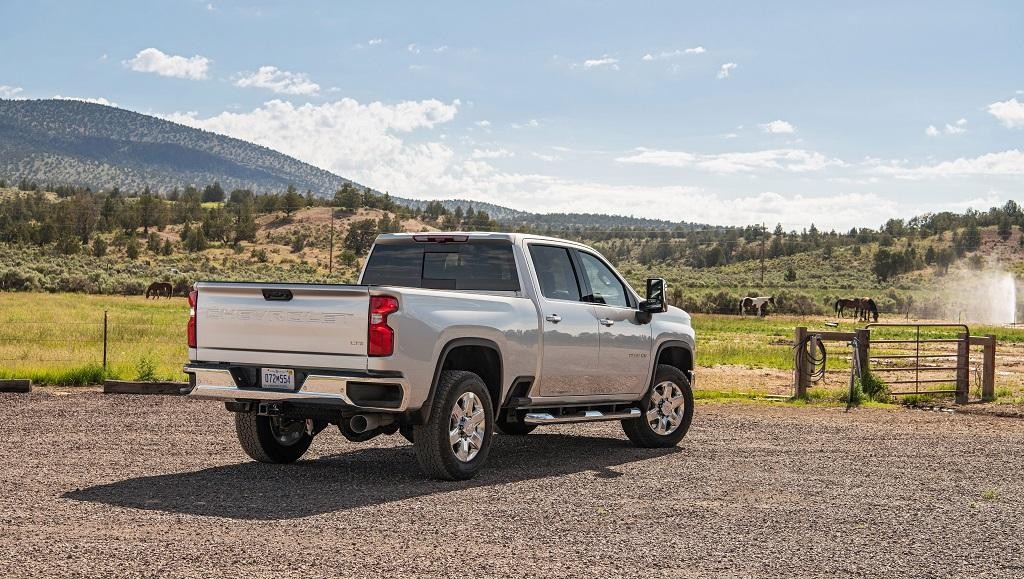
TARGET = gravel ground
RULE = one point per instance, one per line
(122, 486)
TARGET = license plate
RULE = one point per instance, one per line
(278, 378)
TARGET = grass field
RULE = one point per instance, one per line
(58, 339)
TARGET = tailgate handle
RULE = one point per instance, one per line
(277, 295)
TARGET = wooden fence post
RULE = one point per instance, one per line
(800, 378)
(988, 370)
(963, 364)
(863, 349)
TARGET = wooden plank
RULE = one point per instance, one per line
(21, 386)
(963, 376)
(127, 387)
(988, 369)
(830, 336)
(799, 382)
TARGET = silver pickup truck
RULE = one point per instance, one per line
(446, 338)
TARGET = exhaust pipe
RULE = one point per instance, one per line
(361, 423)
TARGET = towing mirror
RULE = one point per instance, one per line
(655, 301)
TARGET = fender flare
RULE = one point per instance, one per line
(422, 415)
(673, 344)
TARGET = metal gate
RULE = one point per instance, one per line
(920, 358)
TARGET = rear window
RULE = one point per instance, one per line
(472, 265)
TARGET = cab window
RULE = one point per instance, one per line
(604, 284)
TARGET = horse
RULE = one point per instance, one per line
(759, 304)
(159, 288)
(842, 304)
(867, 310)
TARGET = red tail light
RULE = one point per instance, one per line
(381, 337)
(193, 305)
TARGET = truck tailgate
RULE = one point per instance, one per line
(285, 324)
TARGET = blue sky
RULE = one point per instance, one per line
(840, 114)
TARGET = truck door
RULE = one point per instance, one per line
(571, 335)
(625, 343)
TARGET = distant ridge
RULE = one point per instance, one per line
(79, 143)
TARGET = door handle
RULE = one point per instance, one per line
(607, 322)
(553, 318)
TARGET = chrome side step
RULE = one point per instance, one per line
(586, 416)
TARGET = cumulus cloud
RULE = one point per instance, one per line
(603, 62)
(673, 53)
(1009, 162)
(375, 41)
(778, 127)
(1010, 113)
(155, 61)
(957, 128)
(279, 81)
(413, 48)
(726, 70)
(530, 124)
(788, 160)
(9, 92)
(484, 123)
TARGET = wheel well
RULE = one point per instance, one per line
(483, 361)
(677, 356)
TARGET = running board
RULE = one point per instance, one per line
(587, 416)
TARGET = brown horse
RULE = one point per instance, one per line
(843, 304)
(158, 289)
(867, 310)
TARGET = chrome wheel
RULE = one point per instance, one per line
(466, 427)
(666, 407)
(287, 432)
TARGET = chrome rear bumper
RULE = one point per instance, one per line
(219, 384)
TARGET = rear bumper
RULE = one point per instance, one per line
(216, 382)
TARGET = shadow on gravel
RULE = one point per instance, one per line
(368, 476)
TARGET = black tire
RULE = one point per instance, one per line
(640, 430)
(257, 436)
(513, 428)
(435, 452)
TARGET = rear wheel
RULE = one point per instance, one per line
(272, 439)
(666, 411)
(455, 441)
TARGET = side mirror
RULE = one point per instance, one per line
(655, 301)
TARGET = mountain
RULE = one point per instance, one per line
(78, 143)
(68, 142)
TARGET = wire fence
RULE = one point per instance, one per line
(122, 346)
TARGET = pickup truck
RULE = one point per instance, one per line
(446, 338)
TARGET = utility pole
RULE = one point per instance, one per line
(330, 252)
(763, 231)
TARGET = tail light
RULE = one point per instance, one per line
(381, 336)
(193, 305)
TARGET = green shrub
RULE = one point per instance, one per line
(145, 369)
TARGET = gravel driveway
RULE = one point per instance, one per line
(157, 486)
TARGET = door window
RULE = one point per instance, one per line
(555, 272)
(605, 286)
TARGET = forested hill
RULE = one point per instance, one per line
(78, 143)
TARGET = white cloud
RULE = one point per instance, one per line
(483, 124)
(673, 53)
(94, 100)
(375, 41)
(491, 153)
(530, 124)
(441, 49)
(1010, 162)
(726, 70)
(413, 48)
(957, 128)
(279, 81)
(778, 127)
(153, 60)
(9, 92)
(1010, 113)
(603, 62)
(210, 7)
(789, 160)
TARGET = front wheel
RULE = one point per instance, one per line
(272, 439)
(455, 441)
(666, 411)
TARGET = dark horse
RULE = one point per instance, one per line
(843, 304)
(158, 289)
(867, 310)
